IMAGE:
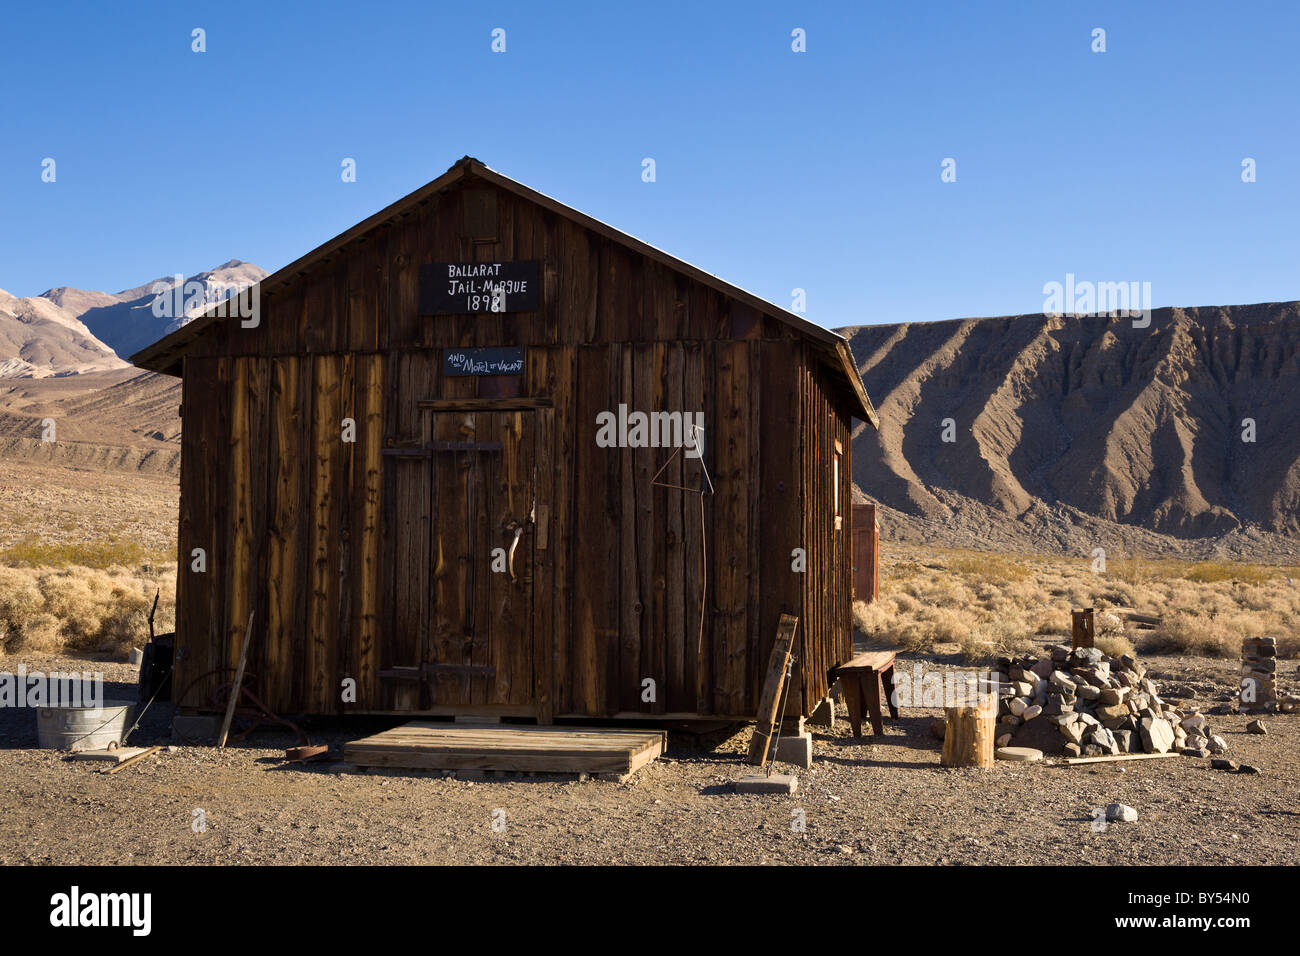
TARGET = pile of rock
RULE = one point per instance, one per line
(1083, 703)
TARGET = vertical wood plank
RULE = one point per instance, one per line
(367, 504)
(780, 506)
(595, 559)
(322, 601)
(285, 581)
(630, 530)
(696, 514)
(730, 528)
(563, 533)
(679, 694)
(544, 544)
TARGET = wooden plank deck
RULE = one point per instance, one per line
(428, 745)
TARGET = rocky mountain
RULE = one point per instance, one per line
(129, 321)
(67, 331)
(119, 419)
(1067, 432)
(63, 358)
(40, 338)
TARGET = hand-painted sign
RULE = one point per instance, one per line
(499, 361)
(451, 288)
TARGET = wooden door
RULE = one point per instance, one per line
(479, 649)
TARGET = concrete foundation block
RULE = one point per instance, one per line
(823, 714)
(793, 726)
(795, 750)
(196, 729)
(761, 783)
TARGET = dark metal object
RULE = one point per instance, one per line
(424, 670)
(465, 446)
(156, 668)
(257, 711)
(307, 754)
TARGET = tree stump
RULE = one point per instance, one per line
(968, 734)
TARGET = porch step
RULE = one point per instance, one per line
(425, 745)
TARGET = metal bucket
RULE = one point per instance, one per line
(82, 728)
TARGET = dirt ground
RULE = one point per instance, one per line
(867, 802)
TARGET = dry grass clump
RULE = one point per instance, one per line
(991, 604)
(1114, 645)
(79, 609)
(36, 551)
(988, 567)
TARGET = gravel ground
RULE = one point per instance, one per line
(863, 802)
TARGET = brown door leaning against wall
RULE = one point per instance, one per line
(478, 653)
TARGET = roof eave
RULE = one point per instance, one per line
(165, 354)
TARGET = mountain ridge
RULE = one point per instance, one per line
(1055, 419)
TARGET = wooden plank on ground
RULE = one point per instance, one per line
(1110, 758)
(132, 760)
(431, 745)
(117, 755)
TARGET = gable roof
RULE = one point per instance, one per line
(164, 354)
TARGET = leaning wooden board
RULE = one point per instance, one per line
(769, 718)
(428, 745)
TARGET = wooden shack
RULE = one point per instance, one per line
(392, 460)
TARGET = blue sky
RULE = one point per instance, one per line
(775, 169)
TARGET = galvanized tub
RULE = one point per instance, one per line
(82, 728)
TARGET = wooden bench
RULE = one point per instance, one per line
(867, 677)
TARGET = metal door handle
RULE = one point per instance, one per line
(510, 561)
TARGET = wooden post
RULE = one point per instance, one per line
(968, 734)
(1082, 628)
(239, 679)
(770, 702)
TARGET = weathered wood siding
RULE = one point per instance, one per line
(332, 545)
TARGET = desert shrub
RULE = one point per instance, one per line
(1114, 644)
(905, 603)
(77, 609)
(1048, 621)
(1210, 572)
(1185, 632)
(992, 638)
(978, 600)
(40, 634)
(874, 620)
(990, 568)
(35, 551)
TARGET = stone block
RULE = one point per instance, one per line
(795, 750)
(761, 783)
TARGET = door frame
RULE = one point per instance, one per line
(536, 539)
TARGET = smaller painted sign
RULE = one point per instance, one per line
(496, 361)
